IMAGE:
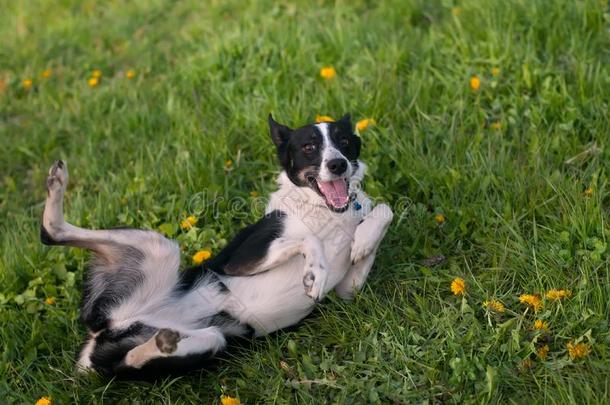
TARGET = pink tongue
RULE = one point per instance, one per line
(335, 192)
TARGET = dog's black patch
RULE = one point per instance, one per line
(222, 287)
(299, 150)
(221, 318)
(161, 367)
(118, 277)
(224, 319)
(111, 346)
(344, 139)
(188, 277)
(194, 274)
(113, 335)
(46, 238)
(250, 331)
(246, 249)
(97, 319)
(105, 356)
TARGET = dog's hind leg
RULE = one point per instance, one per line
(142, 265)
(166, 343)
(56, 231)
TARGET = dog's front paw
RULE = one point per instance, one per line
(364, 244)
(314, 281)
(370, 232)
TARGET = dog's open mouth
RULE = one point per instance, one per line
(335, 193)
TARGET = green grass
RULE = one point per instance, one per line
(143, 152)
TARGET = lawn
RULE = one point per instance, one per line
(490, 142)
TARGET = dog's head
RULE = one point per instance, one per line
(320, 156)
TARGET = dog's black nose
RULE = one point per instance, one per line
(337, 166)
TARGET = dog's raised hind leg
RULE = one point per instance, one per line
(56, 231)
(53, 223)
(123, 261)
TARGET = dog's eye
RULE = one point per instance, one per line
(344, 142)
(310, 147)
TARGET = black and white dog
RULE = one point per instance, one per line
(320, 232)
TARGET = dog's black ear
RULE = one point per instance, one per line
(357, 144)
(280, 135)
(346, 121)
(279, 132)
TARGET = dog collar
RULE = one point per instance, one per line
(357, 206)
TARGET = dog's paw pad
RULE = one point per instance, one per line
(314, 285)
(167, 340)
(308, 280)
(58, 176)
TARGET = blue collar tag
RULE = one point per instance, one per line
(356, 204)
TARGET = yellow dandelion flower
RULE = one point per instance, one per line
(328, 72)
(27, 83)
(527, 364)
(578, 350)
(475, 83)
(542, 352)
(440, 219)
(201, 256)
(253, 194)
(130, 74)
(541, 325)
(364, 124)
(50, 301)
(46, 73)
(496, 126)
(227, 400)
(189, 222)
(456, 11)
(96, 73)
(555, 295)
(458, 286)
(588, 192)
(228, 164)
(495, 71)
(324, 118)
(494, 305)
(44, 401)
(533, 301)
(92, 82)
